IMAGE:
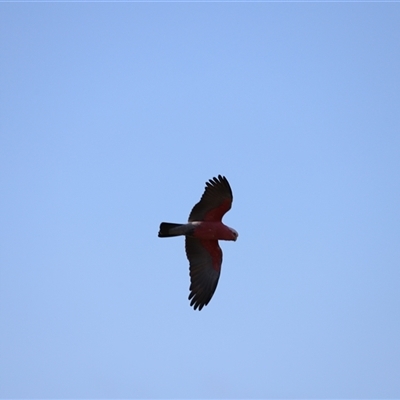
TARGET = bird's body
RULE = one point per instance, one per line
(202, 232)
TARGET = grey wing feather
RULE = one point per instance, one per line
(203, 277)
(216, 199)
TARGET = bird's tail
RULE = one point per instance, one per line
(168, 229)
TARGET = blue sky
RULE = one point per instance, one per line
(112, 118)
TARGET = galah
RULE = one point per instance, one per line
(202, 232)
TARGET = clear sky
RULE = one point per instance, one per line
(113, 116)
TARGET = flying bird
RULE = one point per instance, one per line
(202, 232)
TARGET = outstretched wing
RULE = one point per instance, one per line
(205, 259)
(215, 202)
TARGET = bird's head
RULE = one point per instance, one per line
(234, 234)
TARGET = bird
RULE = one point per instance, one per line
(202, 232)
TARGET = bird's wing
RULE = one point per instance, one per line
(205, 259)
(215, 202)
